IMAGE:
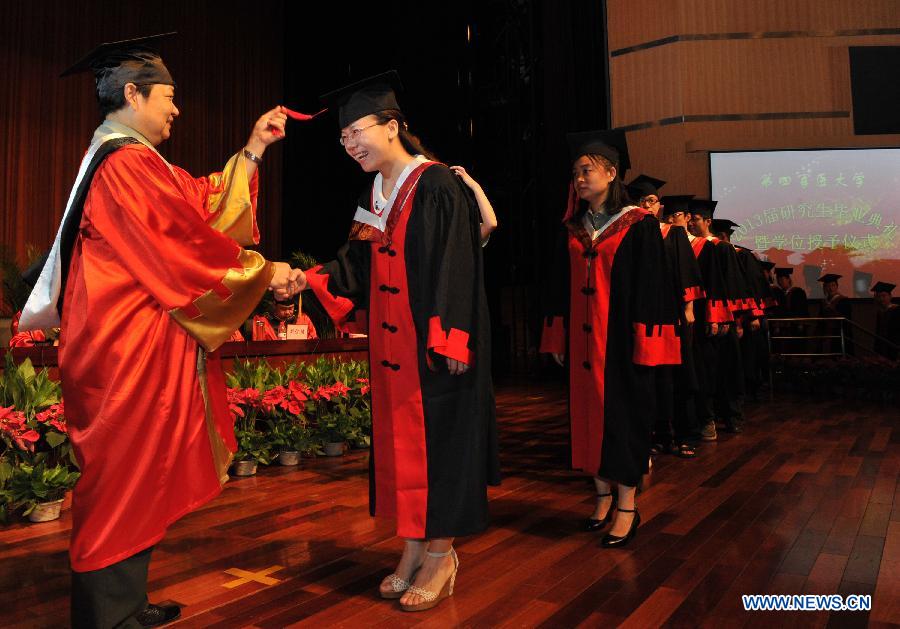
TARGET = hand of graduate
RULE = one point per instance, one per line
(456, 368)
(560, 359)
(689, 313)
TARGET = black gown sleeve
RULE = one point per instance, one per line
(452, 245)
(717, 310)
(556, 298)
(654, 315)
(690, 284)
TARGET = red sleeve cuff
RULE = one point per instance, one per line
(717, 311)
(337, 307)
(656, 345)
(454, 345)
(693, 293)
(553, 337)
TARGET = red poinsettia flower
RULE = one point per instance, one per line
(339, 388)
(274, 397)
(299, 391)
(294, 407)
(60, 426)
(323, 393)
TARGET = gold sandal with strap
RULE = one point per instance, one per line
(431, 599)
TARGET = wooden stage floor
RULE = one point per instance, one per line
(805, 501)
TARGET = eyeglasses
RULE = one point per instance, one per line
(650, 200)
(354, 133)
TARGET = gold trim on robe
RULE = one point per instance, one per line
(231, 202)
(221, 455)
(216, 314)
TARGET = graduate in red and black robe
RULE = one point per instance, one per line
(681, 429)
(749, 324)
(714, 316)
(611, 310)
(411, 274)
(674, 424)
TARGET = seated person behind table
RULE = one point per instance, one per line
(265, 326)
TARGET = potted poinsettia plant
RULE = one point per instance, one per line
(337, 425)
(285, 409)
(253, 445)
(33, 432)
(38, 488)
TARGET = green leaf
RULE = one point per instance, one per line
(55, 439)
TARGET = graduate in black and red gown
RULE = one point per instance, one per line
(728, 397)
(611, 297)
(681, 431)
(753, 344)
(411, 274)
(674, 425)
(714, 318)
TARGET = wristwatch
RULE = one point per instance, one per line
(253, 157)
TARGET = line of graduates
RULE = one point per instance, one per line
(647, 305)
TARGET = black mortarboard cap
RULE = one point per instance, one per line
(644, 185)
(782, 271)
(829, 277)
(675, 203)
(723, 225)
(883, 287)
(128, 61)
(365, 97)
(702, 207)
(610, 144)
(768, 265)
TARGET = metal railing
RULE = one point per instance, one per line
(798, 326)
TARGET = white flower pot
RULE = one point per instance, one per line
(289, 457)
(243, 468)
(46, 511)
(335, 448)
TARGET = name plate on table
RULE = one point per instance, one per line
(298, 332)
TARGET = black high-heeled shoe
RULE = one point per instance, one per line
(614, 541)
(593, 525)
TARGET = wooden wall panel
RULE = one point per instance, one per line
(227, 75)
(634, 22)
(727, 74)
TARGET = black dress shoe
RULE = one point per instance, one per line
(156, 615)
(614, 541)
(593, 525)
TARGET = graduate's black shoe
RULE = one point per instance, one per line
(594, 525)
(614, 541)
(156, 615)
(733, 427)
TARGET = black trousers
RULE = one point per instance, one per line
(111, 597)
(706, 360)
(729, 390)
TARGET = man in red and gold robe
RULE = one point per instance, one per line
(148, 278)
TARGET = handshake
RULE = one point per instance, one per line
(287, 281)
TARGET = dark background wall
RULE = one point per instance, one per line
(490, 85)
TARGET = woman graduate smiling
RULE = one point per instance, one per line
(413, 262)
